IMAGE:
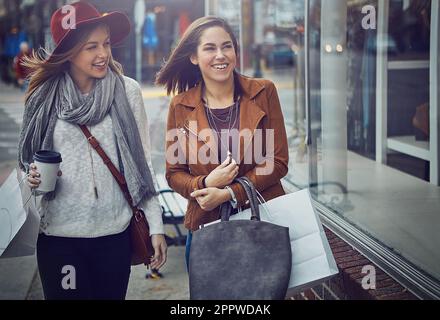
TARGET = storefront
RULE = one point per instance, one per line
(162, 25)
(361, 107)
(27, 20)
(165, 23)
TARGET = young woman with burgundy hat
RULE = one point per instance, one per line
(85, 221)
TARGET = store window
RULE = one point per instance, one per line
(369, 113)
(164, 24)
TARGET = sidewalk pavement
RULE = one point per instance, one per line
(16, 276)
(173, 285)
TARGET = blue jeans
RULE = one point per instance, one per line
(188, 249)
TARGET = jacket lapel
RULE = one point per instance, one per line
(250, 116)
(199, 132)
(250, 112)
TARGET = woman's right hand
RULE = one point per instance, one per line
(33, 178)
(223, 175)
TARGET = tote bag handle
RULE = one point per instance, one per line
(249, 188)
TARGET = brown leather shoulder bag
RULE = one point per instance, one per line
(141, 246)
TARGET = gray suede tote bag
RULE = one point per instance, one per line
(241, 259)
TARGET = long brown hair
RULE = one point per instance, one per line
(178, 73)
(44, 66)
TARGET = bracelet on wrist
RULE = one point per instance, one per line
(231, 192)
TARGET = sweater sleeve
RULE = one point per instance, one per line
(152, 208)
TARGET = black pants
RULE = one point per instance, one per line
(82, 268)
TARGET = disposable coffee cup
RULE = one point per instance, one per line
(48, 164)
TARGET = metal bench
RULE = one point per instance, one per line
(173, 211)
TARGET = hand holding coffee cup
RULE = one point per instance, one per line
(44, 171)
(34, 176)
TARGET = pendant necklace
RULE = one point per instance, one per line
(211, 117)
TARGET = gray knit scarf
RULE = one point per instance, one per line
(58, 98)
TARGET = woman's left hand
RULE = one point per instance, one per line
(211, 198)
(160, 251)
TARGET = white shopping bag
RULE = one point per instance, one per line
(312, 259)
(19, 218)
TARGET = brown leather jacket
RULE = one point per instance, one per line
(259, 108)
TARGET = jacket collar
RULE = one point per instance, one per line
(250, 112)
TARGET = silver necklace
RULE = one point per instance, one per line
(212, 124)
(95, 189)
(219, 119)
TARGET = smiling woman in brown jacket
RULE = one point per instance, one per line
(221, 125)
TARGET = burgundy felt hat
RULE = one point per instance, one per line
(68, 19)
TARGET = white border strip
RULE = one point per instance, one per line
(434, 92)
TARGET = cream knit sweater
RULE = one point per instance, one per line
(76, 212)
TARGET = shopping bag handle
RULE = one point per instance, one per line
(249, 188)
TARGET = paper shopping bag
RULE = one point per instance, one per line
(12, 214)
(312, 259)
(20, 231)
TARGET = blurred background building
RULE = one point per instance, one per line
(265, 27)
(163, 22)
